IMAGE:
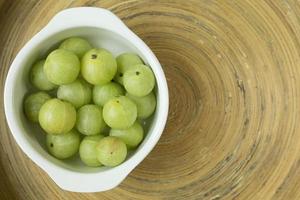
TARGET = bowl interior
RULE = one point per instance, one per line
(33, 133)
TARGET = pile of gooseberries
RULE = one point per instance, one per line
(90, 103)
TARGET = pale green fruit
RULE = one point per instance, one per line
(90, 120)
(57, 117)
(131, 136)
(88, 151)
(77, 93)
(120, 113)
(77, 45)
(145, 105)
(126, 61)
(38, 77)
(139, 81)
(64, 145)
(62, 67)
(104, 93)
(111, 151)
(33, 104)
(98, 66)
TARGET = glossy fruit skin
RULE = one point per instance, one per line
(57, 116)
(33, 104)
(77, 45)
(120, 113)
(111, 151)
(62, 67)
(38, 77)
(103, 93)
(78, 93)
(145, 105)
(90, 120)
(131, 136)
(121, 90)
(64, 145)
(139, 81)
(125, 62)
(88, 151)
(98, 66)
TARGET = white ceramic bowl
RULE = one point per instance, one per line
(103, 29)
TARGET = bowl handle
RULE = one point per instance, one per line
(89, 17)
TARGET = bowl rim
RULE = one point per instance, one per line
(56, 25)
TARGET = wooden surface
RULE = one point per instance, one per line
(233, 69)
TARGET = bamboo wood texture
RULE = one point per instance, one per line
(233, 69)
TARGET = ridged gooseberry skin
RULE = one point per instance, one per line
(88, 151)
(57, 116)
(139, 81)
(98, 66)
(125, 62)
(64, 145)
(78, 93)
(33, 104)
(131, 136)
(104, 93)
(111, 151)
(38, 77)
(145, 105)
(90, 120)
(120, 113)
(62, 67)
(77, 45)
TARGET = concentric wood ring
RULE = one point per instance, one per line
(233, 71)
